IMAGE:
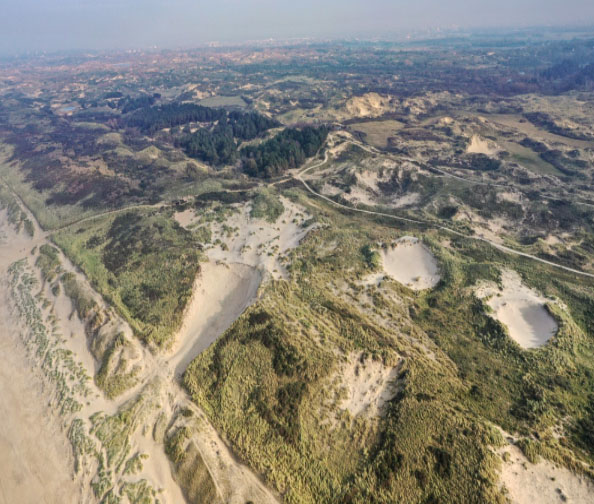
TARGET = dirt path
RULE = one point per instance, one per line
(445, 173)
(104, 214)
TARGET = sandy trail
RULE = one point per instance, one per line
(221, 294)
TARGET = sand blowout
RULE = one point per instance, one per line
(411, 263)
(521, 309)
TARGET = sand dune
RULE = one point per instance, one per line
(259, 243)
(479, 145)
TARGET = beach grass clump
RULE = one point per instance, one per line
(190, 471)
(113, 376)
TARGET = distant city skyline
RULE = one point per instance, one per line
(52, 25)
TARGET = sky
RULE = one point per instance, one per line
(51, 25)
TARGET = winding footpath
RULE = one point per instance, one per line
(502, 248)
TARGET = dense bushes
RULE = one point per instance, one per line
(143, 263)
(267, 205)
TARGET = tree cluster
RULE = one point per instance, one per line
(152, 119)
(215, 147)
(218, 145)
(289, 149)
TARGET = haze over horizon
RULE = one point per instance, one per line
(52, 25)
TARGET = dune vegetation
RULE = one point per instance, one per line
(144, 263)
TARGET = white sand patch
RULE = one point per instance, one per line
(521, 309)
(13, 245)
(185, 218)
(221, 293)
(512, 197)
(330, 190)
(409, 262)
(552, 240)
(258, 243)
(359, 194)
(542, 483)
(490, 229)
(338, 149)
(367, 385)
(479, 145)
(369, 178)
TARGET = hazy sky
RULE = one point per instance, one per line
(99, 24)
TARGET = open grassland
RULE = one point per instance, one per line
(377, 133)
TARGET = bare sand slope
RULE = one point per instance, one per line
(13, 245)
(411, 263)
(259, 243)
(542, 483)
(185, 218)
(221, 293)
(479, 145)
(521, 309)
